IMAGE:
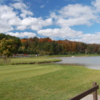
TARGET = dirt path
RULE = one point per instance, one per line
(90, 97)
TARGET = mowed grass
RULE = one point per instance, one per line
(41, 59)
(32, 59)
(45, 81)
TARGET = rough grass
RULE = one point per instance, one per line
(45, 82)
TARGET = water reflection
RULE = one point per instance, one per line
(90, 62)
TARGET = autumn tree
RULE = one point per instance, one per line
(17, 41)
(7, 48)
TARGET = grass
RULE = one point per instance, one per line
(40, 59)
(45, 81)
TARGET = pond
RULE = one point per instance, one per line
(90, 62)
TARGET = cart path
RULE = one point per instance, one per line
(90, 97)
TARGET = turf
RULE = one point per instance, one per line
(45, 82)
(28, 60)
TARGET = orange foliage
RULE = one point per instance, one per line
(41, 40)
(45, 40)
(23, 40)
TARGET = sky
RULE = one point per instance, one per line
(75, 20)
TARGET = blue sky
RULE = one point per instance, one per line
(75, 20)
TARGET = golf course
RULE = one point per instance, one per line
(47, 81)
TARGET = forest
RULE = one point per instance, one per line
(47, 46)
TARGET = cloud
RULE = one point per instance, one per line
(6, 14)
(96, 8)
(72, 15)
(42, 6)
(96, 4)
(89, 38)
(17, 16)
(34, 23)
(75, 14)
(62, 33)
(5, 27)
(75, 10)
(23, 8)
(22, 34)
(21, 27)
(68, 33)
(14, 21)
(19, 5)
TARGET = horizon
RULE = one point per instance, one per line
(73, 20)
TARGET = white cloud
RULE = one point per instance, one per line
(72, 15)
(96, 4)
(50, 32)
(75, 14)
(89, 38)
(34, 23)
(24, 9)
(19, 5)
(38, 23)
(17, 16)
(71, 22)
(21, 27)
(62, 33)
(28, 21)
(75, 10)
(42, 6)
(6, 14)
(73, 35)
(5, 27)
(25, 13)
(15, 21)
(22, 34)
(10, 18)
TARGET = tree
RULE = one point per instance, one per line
(17, 41)
(7, 48)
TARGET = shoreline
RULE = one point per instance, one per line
(43, 62)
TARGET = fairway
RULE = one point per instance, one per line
(19, 72)
(45, 82)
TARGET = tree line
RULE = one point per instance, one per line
(47, 46)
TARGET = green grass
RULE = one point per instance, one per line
(45, 81)
(41, 59)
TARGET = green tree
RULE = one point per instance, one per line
(7, 48)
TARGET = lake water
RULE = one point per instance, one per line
(90, 62)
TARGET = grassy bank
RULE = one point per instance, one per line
(45, 82)
(31, 60)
